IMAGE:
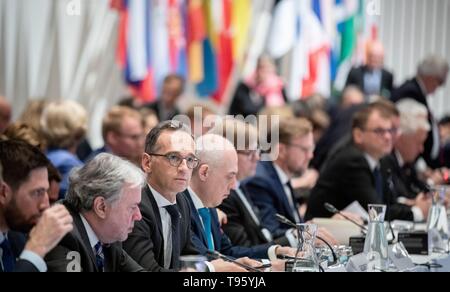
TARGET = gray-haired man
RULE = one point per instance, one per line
(103, 199)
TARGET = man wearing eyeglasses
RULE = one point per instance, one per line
(354, 172)
(164, 233)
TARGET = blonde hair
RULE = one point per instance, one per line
(292, 128)
(112, 122)
(24, 132)
(63, 124)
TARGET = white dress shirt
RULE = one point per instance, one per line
(166, 223)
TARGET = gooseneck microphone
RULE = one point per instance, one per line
(332, 209)
(286, 221)
(218, 255)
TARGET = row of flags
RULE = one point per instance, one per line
(201, 40)
(204, 40)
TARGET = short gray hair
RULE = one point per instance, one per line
(211, 148)
(413, 116)
(433, 66)
(104, 176)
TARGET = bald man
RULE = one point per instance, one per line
(5, 114)
(372, 78)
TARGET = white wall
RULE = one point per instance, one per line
(412, 29)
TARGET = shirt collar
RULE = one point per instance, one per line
(372, 162)
(161, 201)
(3, 237)
(400, 160)
(281, 175)
(197, 202)
(93, 239)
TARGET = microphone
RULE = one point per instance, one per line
(332, 209)
(286, 221)
(217, 255)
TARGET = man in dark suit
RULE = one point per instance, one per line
(166, 106)
(103, 199)
(24, 206)
(244, 227)
(210, 185)
(372, 78)
(354, 173)
(399, 166)
(431, 75)
(270, 189)
(164, 234)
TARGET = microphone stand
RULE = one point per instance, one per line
(300, 238)
(217, 255)
(332, 209)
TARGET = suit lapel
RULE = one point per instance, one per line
(150, 202)
(81, 234)
(195, 219)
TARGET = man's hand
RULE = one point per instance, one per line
(54, 224)
(221, 267)
(223, 218)
(424, 203)
(327, 236)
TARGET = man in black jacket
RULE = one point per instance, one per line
(24, 206)
(399, 166)
(431, 75)
(354, 173)
(164, 233)
(372, 78)
(103, 198)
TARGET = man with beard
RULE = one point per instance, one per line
(24, 206)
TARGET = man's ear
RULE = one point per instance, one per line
(111, 138)
(146, 163)
(357, 136)
(100, 207)
(5, 194)
(281, 150)
(203, 172)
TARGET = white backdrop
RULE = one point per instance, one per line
(58, 49)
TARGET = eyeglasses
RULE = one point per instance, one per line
(252, 154)
(176, 160)
(303, 148)
(381, 132)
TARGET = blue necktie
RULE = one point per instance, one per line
(378, 183)
(176, 237)
(8, 258)
(206, 217)
(99, 257)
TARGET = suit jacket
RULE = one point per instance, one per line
(412, 89)
(146, 243)
(74, 253)
(405, 182)
(241, 228)
(356, 78)
(222, 243)
(346, 178)
(18, 241)
(243, 104)
(267, 192)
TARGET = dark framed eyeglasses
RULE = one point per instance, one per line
(176, 159)
(381, 132)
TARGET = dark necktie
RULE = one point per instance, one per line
(99, 257)
(378, 183)
(294, 201)
(176, 238)
(8, 259)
